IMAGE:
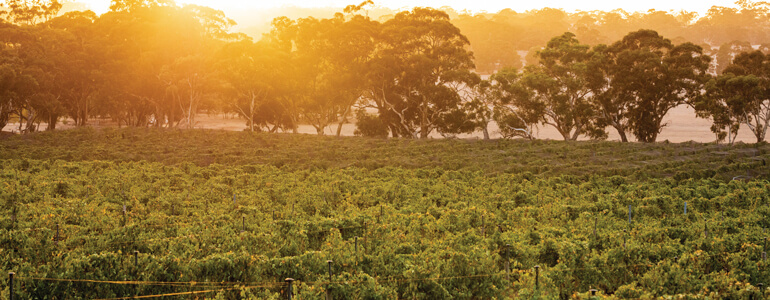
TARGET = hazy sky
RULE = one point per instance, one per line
(232, 6)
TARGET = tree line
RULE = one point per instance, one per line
(155, 63)
(511, 38)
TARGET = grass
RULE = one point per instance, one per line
(297, 152)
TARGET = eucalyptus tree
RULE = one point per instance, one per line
(513, 119)
(160, 71)
(29, 12)
(723, 104)
(35, 52)
(739, 96)
(610, 103)
(142, 41)
(254, 75)
(420, 62)
(641, 77)
(727, 53)
(480, 99)
(30, 62)
(79, 62)
(558, 91)
(8, 78)
(189, 81)
(327, 58)
(16, 86)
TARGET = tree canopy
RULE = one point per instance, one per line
(416, 73)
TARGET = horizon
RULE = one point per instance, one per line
(243, 12)
(236, 7)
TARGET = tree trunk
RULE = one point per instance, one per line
(294, 123)
(339, 129)
(652, 138)
(577, 133)
(623, 138)
(485, 130)
(5, 115)
(52, 123)
(342, 122)
(85, 112)
(621, 133)
(81, 112)
(393, 130)
(251, 112)
(31, 117)
(190, 113)
(424, 120)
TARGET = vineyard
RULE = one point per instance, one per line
(120, 213)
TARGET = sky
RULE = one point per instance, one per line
(234, 6)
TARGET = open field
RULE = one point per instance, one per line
(682, 126)
(230, 215)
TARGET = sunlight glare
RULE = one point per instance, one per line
(234, 6)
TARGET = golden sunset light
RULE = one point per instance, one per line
(424, 149)
(233, 6)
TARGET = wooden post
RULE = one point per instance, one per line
(328, 286)
(290, 292)
(10, 284)
(537, 277)
(136, 272)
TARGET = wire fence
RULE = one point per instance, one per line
(212, 287)
(216, 287)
